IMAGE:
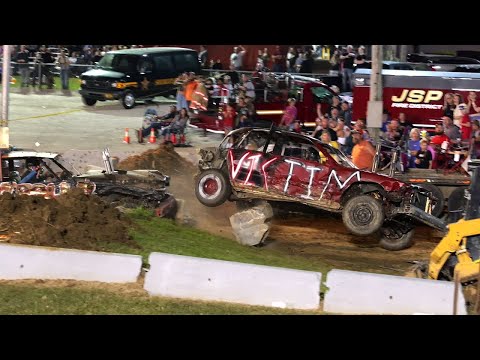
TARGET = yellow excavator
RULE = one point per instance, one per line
(457, 256)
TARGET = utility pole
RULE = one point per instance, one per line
(403, 52)
(4, 135)
(375, 103)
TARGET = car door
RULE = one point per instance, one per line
(146, 81)
(165, 73)
(298, 173)
(247, 160)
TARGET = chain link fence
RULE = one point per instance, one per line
(40, 75)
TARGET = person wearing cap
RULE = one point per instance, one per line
(363, 151)
(439, 138)
(289, 114)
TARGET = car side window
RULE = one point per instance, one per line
(163, 65)
(186, 62)
(145, 66)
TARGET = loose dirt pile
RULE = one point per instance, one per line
(73, 220)
(165, 159)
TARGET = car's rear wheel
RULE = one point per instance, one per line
(128, 100)
(88, 101)
(438, 208)
(212, 188)
(363, 215)
(456, 204)
(395, 236)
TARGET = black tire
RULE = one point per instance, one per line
(363, 215)
(128, 100)
(394, 237)
(437, 209)
(212, 188)
(456, 204)
(88, 101)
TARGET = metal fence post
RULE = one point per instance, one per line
(39, 76)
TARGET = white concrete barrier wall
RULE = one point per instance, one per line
(35, 262)
(352, 292)
(207, 279)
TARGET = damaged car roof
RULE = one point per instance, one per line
(32, 154)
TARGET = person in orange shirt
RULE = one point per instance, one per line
(190, 88)
(363, 151)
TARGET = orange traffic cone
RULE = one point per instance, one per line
(126, 138)
(152, 139)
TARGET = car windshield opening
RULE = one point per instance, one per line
(339, 156)
(119, 62)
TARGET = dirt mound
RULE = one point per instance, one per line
(165, 159)
(73, 220)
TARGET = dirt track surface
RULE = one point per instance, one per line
(73, 220)
(325, 239)
(319, 237)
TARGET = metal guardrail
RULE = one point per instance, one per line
(310, 75)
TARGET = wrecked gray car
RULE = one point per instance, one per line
(48, 174)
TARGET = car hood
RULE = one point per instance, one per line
(100, 73)
(387, 182)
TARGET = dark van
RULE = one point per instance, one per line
(136, 74)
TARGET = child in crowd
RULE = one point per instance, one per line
(424, 156)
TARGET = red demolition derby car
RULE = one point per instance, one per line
(281, 166)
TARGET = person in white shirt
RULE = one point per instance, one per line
(236, 59)
(247, 86)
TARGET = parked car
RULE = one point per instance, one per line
(136, 74)
(441, 62)
(282, 166)
(397, 65)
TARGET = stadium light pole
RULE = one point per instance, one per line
(5, 84)
(375, 103)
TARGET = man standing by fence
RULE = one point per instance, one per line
(23, 66)
(64, 63)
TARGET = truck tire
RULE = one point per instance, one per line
(394, 238)
(128, 100)
(363, 215)
(437, 209)
(456, 204)
(88, 101)
(212, 188)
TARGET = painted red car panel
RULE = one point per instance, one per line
(290, 178)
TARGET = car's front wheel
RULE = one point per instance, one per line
(212, 188)
(88, 101)
(128, 100)
(363, 215)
